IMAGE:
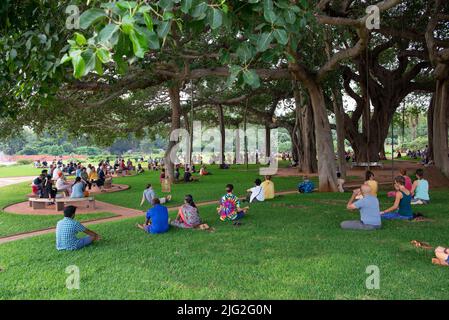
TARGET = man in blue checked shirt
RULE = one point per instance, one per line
(67, 229)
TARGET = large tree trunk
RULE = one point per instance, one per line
(222, 133)
(267, 143)
(324, 144)
(307, 142)
(188, 127)
(430, 127)
(440, 137)
(337, 101)
(173, 92)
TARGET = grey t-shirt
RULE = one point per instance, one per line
(149, 194)
(369, 210)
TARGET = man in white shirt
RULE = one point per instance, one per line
(62, 185)
(56, 172)
(256, 193)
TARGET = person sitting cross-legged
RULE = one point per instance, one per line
(188, 176)
(306, 186)
(369, 210)
(402, 208)
(156, 219)
(77, 189)
(68, 228)
(229, 209)
(420, 189)
(188, 216)
(256, 193)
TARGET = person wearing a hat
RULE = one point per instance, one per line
(68, 228)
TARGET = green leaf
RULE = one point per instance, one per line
(163, 28)
(90, 16)
(65, 58)
(107, 33)
(103, 55)
(216, 19)
(290, 16)
(128, 24)
(270, 16)
(186, 5)
(140, 44)
(244, 52)
(78, 63)
(148, 21)
(126, 5)
(80, 39)
(251, 78)
(281, 36)
(199, 11)
(264, 41)
(234, 71)
(166, 4)
(98, 67)
(89, 59)
(13, 54)
(153, 41)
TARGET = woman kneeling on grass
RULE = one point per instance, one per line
(188, 215)
(402, 208)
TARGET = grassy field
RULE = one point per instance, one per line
(289, 248)
(208, 188)
(13, 223)
(18, 171)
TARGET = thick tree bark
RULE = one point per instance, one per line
(440, 137)
(324, 144)
(173, 92)
(430, 127)
(222, 133)
(267, 142)
(306, 135)
(337, 101)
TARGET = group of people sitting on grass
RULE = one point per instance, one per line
(49, 183)
(405, 194)
(157, 220)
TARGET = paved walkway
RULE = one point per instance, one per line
(14, 180)
(122, 213)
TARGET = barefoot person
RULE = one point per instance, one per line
(156, 219)
(68, 228)
(402, 208)
(229, 209)
(149, 195)
(188, 216)
(369, 210)
(441, 253)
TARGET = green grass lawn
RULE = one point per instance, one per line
(12, 223)
(210, 187)
(289, 248)
(19, 171)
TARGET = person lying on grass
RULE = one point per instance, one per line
(68, 228)
(156, 219)
(229, 209)
(149, 195)
(402, 208)
(256, 193)
(369, 210)
(268, 188)
(441, 253)
(420, 189)
(188, 215)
